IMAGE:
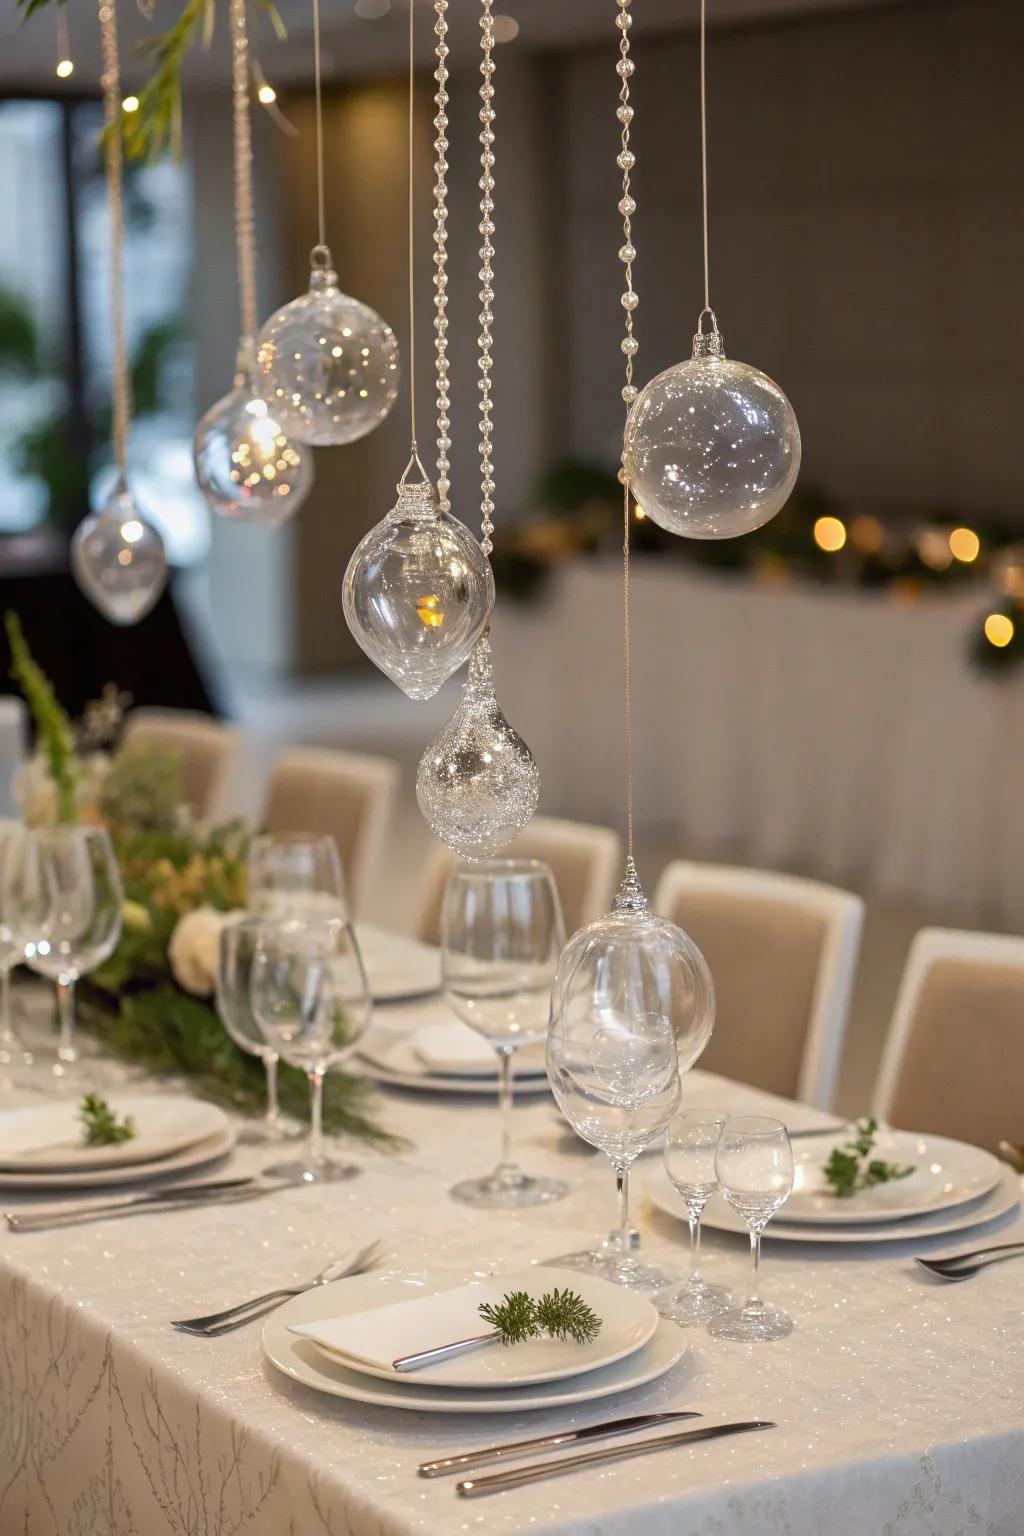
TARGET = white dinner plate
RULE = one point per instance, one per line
(48, 1138)
(301, 1359)
(452, 1049)
(722, 1218)
(370, 1341)
(946, 1173)
(393, 1059)
(185, 1161)
(398, 968)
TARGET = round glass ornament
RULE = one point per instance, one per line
(327, 364)
(418, 591)
(712, 446)
(478, 782)
(247, 467)
(118, 558)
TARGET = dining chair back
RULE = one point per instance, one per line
(208, 750)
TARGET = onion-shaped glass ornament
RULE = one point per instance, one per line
(712, 446)
(327, 363)
(478, 782)
(247, 466)
(418, 591)
(118, 558)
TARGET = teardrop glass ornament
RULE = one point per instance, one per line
(418, 591)
(327, 363)
(712, 446)
(478, 782)
(247, 467)
(118, 558)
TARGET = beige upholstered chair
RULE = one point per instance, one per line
(586, 862)
(783, 952)
(954, 1059)
(208, 751)
(342, 794)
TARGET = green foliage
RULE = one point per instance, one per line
(143, 789)
(19, 339)
(558, 1314)
(53, 728)
(101, 1126)
(848, 1169)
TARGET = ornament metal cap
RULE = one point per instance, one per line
(708, 343)
(630, 896)
(322, 274)
(416, 497)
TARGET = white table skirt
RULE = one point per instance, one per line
(898, 1401)
(840, 733)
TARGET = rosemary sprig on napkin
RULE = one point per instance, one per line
(101, 1126)
(851, 1167)
(558, 1314)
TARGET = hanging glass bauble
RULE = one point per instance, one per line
(327, 363)
(418, 591)
(247, 466)
(628, 966)
(118, 558)
(712, 446)
(478, 782)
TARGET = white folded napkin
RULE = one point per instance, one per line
(453, 1047)
(382, 1335)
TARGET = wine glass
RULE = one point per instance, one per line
(68, 888)
(13, 1053)
(501, 935)
(311, 1002)
(238, 944)
(616, 1080)
(294, 873)
(754, 1168)
(689, 1155)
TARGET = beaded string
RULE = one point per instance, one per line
(444, 425)
(114, 155)
(486, 337)
(245, 239)
(626, 160)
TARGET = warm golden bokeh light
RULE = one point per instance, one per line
(867, 534)
(429, 611)
(639, 513)
(65, 67)
(130, 104)
(999, 629)
(267, 95)
(964, 545)
(830, 534)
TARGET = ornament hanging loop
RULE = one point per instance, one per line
(708, 343)
(321, 268)
(415, 462)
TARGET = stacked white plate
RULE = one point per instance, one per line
(341, 1339)
(953, 1187)
(42, 1146)
(442, 1055)
(398, 968)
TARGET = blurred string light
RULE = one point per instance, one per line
(130, 104)
(964, 545)
(506, 29)
(933, 549)
(65, 63)
(830, 534)
(372, 10)
(867, 535)
(999, 630)
(266, 95)
(639, 513)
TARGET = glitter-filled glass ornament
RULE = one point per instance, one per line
(712, 446)
(327, 363)
(418, 591)
(478, 782)
(247, 467)
(118, 558)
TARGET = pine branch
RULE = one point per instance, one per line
(53, 728)
(557, 1314)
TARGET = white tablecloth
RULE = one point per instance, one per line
(898, 1400)
(838, 733)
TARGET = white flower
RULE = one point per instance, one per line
(194, 948)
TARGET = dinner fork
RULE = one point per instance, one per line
(960, 1266)
(215, 1323)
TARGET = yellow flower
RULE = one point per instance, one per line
(136, 917)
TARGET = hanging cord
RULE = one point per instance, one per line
(444, 424)
(320, 221)
(114, 154)
(625, 160)
(63, 43)
(486, 274)
(245, 241)
(704, 147)
(412, 225)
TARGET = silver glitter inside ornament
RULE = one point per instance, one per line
(418, 591)
(712, 446)
(247, 467)
(118, 558)
(327, 363)
(478, 782)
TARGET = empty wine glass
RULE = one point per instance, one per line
(754, 1168)
(689, 1155)
(616, 1081)
(68, 887)
(294, 873)
(239, 942)
(13, 1054)
(501, 935)
(311, 1002)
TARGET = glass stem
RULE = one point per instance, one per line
(7, 1036)
(505, 1103)
(270, 1061)
(316, 1119)
(67, 1051)
(622, 1186)
(754, 1302)
(693, 1217)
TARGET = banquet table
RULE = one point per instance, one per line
(897, 1399)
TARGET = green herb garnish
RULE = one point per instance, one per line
(102, 1127)
(557, 1314)
(848, 1169)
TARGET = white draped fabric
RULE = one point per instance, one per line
(842, 734)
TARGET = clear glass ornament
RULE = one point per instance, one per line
(247, 467)
(118, 558)
(418, 591)
(328, 364)
(478, 782)
(712, 446)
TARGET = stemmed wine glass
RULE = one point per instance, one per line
(754, 1168)
(689, 1154)
(616, 1080)
(294, 873)
(13, 1054)
(239, 942)
(501, 935)
(311, 1002)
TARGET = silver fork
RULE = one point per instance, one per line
(960, 1266)
(226, 1321)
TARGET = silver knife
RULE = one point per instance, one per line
(446, 1464)
(496, 1482)
(185, 1194)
